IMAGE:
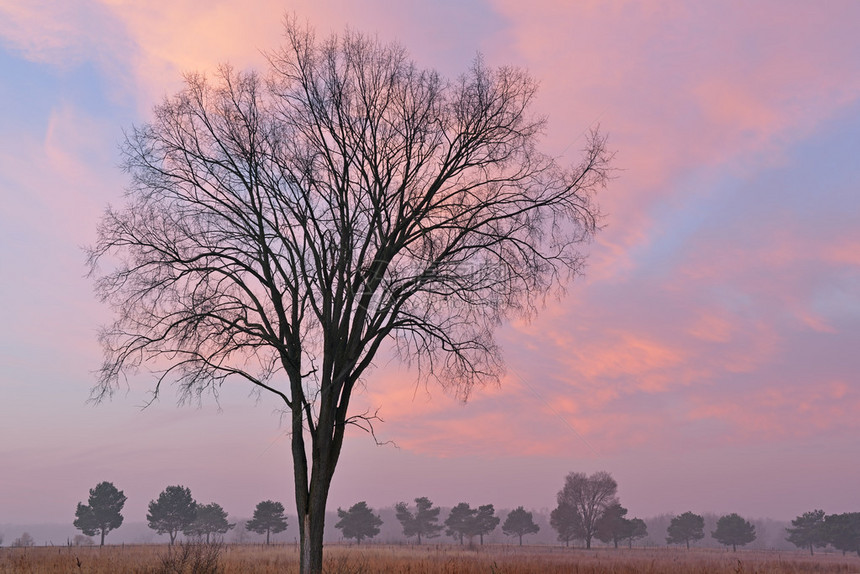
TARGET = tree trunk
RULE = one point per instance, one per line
(103, 537)
(521, 539)
(312, 495)
(313, 474)
(588, 542)
(312, 527)
(734, 547)
(688, 543)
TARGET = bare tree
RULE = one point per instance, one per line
(590, 496)
(24, 541)
(280, 230)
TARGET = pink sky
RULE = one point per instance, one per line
(708, 360)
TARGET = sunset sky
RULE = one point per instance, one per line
(709, 359)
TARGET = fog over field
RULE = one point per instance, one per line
(770, 533)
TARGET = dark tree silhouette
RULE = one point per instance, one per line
(686, 528)
(103, 512)
(590, 496)
(519, 523)
(734, 531)
(211, 519)
(174, 511)
(808, 531)
(637, 529)
(268, 518)
(486, 521)
(462, 522)
(566, 521)
(280, 231)
(425, 521)
(359, 522)
(843, 531)
(612, 526)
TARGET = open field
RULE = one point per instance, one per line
(431, 559)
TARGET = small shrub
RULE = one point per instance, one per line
(81, 540)
(191, 558)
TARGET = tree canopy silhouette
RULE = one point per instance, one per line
(279, 229)
(211, 519)
(565, 519)
(423, 523)
(103, 511)
(268, 518)
(686, 528)
(359, 522)
(519, 523)
(732, 530)
(808, 531)
(173, 511)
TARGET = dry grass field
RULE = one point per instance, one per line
(373, 559)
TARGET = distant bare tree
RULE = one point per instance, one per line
(590, 496)
(24, 541)
(280, 230)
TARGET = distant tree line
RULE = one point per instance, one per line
(587, 508)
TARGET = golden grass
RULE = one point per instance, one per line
(373, 559)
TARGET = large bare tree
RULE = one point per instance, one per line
(590, 496)
(279, 228)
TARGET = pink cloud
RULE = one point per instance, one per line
(784, 410)
(681, 88)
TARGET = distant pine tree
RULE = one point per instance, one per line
(268, 518)
(359, 522)
(103, 512)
